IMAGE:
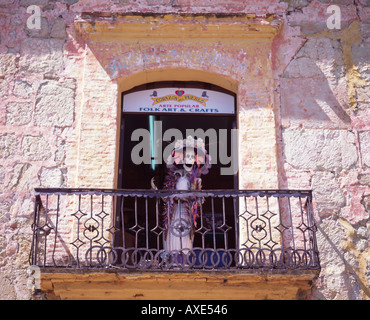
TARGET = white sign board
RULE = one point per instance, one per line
(175, 100)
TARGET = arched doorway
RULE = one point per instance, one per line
(186, 113)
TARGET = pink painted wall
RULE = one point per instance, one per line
(313, 84)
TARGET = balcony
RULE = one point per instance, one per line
(91, 228)
(235, 232)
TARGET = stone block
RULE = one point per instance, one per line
(158, 2)
(364, 13)
(3, 88)
(314, 103)
(7, 64)
(364, 179)
(54, 104)
(70, 2)
(35, 148)
(296, 4)
(332, 150)
(58, 29)
(361, 58)
(364, 3)
(2, 174)
(365, 30)
(8, 145)
(354, 212)
(319, 56)
(327, 193)
(51, 178)
(21, 177)
(366, 203)
(22, 89)
(43, 56)
(60, 154)
(18, 113)
(330, 261)
(344, 2)
(27, 3)
(363, 94)
(365, 148)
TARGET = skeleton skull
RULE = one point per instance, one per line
(189, 159)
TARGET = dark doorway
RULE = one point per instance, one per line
(138, 176)
(132, 176)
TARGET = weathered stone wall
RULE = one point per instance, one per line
(324, 118)
(37, 123)
(314, 87)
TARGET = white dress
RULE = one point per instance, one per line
(179, 235)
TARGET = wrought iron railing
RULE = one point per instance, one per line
(124, 229)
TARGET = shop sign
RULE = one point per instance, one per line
(175, 100)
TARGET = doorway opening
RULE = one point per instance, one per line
(131, 176)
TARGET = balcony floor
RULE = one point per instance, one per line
(72, 284)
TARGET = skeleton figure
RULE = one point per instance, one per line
(187, 162)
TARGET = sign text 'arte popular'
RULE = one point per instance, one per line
(174, 100)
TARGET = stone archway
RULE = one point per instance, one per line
(234, 53)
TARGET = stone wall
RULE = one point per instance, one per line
(316, 108)
(324, 130)
(37, 121)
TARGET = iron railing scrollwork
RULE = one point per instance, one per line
(123, 229)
